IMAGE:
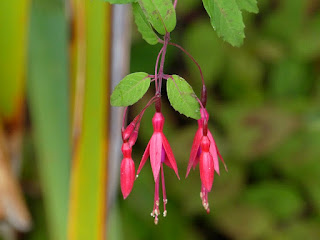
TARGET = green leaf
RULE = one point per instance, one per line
(48, 99)
(226, 19)
(248, 5)
(143, 25)
(182, 97)
(13, 45)
(130, 89)
(120, 1)
(160, 13)
(90, 147)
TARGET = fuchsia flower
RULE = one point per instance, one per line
(127, 170)
(205, 151)
(160, 152)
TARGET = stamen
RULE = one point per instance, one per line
(164, 195)
(137, 176)
(204, 198)
(165, 213)
(156, 210)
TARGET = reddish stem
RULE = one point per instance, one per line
(163, 56)
(156, 69)
(124, 118)
(204, 90)
(175, 3)
(158, 104)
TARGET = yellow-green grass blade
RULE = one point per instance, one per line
(88, 181)
(13, 35)
(14, 23)
(48, 98)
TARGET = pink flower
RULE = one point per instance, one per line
(127, 170)
(205, 151)
(160, 152)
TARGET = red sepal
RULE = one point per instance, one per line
(213, 152)
(169, 155)
(194, 150)
(144, 158)
(217, 150)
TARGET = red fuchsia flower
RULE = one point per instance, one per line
(127, 170)
(160, 152)
(205, 151)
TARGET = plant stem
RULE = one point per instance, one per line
(156, 69)
(191, 57)
(204, 89)
(163, 56)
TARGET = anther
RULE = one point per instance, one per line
(156, 212)
(165, 201)
(165, 213)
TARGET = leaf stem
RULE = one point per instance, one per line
(163, 56)
(191, 57)
(175, 3)
(124, 118)
(204, 89)
(156, 69)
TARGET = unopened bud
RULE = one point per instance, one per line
(127, 176)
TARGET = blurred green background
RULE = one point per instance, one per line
(264, 106)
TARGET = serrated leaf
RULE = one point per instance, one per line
(143, 25)
(160, 13)
(130, 89)
(120, 1)
(226, 19)
(182, 97)
(248, 5)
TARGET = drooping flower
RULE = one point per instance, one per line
(127, 170)
(205, 151)
(160, 152)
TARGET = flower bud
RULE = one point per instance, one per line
(127, 176)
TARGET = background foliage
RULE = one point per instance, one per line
(264, 103)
